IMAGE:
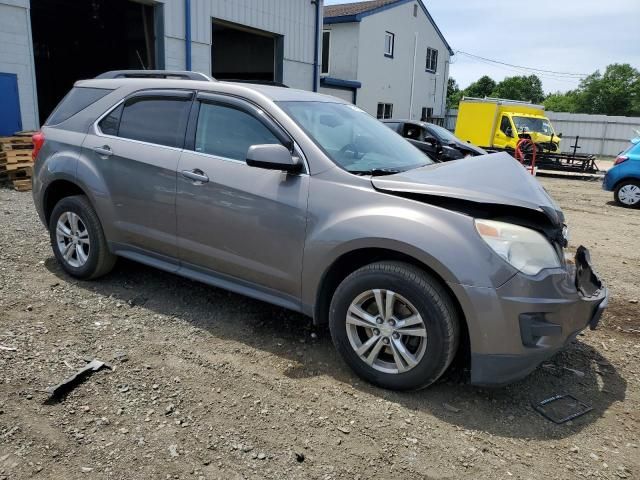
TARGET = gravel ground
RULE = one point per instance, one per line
(208, 384)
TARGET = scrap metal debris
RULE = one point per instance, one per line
(70, 382)
(562, 408)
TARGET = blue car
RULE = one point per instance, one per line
(624, 178)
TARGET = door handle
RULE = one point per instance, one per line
(104, 151)
(195, 175)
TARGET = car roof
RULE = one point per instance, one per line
(274, 93)
(411, 122)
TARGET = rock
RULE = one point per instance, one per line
(344, 430)
(261, 456)
(173, 450)
(299, 457)
(170, 408)
(574, 449)
(87, 470)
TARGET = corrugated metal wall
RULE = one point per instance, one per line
(599, 134)
(294, 19)
(16, 56)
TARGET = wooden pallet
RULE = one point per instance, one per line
(22, 185)
(16, 164)
(8, 144)
(15, 156)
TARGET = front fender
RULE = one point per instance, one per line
(345, 218)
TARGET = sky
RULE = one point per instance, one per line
(566, 36)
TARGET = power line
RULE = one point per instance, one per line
(540, 70)
(558, 78)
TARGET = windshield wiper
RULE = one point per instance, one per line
(377, 172)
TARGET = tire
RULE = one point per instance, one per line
(88, 254)
(627, 194)
(416, 294)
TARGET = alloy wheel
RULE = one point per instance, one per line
(386, 331)
(72, 238)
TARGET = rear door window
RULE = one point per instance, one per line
(160, 120)
(227, 132)
(74, 102)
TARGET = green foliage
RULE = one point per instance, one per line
(524, 88)
(616, 92)
(483, 87)
(454, 94)
(562, 102)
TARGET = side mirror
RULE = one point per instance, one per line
(431, 140)
(559, 135)
(273, 157)
(509, 132)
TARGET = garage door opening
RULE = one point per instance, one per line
(242, 53)
(75, 40)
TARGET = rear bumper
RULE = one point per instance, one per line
(514, 328)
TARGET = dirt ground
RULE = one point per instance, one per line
(208, 384)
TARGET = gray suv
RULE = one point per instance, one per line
(306, 202)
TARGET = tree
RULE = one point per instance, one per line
(616, 92)
(481, 88)
(562, 102)
(524, 88)
(454, 94)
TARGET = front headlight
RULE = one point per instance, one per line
(525, 249)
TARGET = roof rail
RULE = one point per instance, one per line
(169, 74)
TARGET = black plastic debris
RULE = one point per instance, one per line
(562, 408)
(71, 382)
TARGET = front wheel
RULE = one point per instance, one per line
(394, 325)
(627, 193)
(77, 239)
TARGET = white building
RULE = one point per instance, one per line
(386, 56)
(46, 45)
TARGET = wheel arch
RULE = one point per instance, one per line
(56, 191)
(351, 261)
(627, 178)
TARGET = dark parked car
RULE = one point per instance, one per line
(307, 202)
(437, 142)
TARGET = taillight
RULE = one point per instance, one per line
(38, 142)
(620, 159)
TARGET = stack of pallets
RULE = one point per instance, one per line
(16, 164)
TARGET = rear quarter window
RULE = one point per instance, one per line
(74, 102)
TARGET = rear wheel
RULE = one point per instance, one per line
(394, 325)
(77, 239)
(627, 193)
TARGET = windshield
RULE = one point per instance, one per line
(354, 140)
(533, 124)
(443, 134)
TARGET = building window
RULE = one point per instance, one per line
(389, 44)
(326, 46)
(432, 60)
(415, 10)
(385, 111)
(427, 114)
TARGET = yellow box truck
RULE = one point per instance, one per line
(494, 123)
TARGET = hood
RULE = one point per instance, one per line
(539, 137)
(496, 180)
(469, 147)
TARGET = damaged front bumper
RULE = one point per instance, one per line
(528, 319)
